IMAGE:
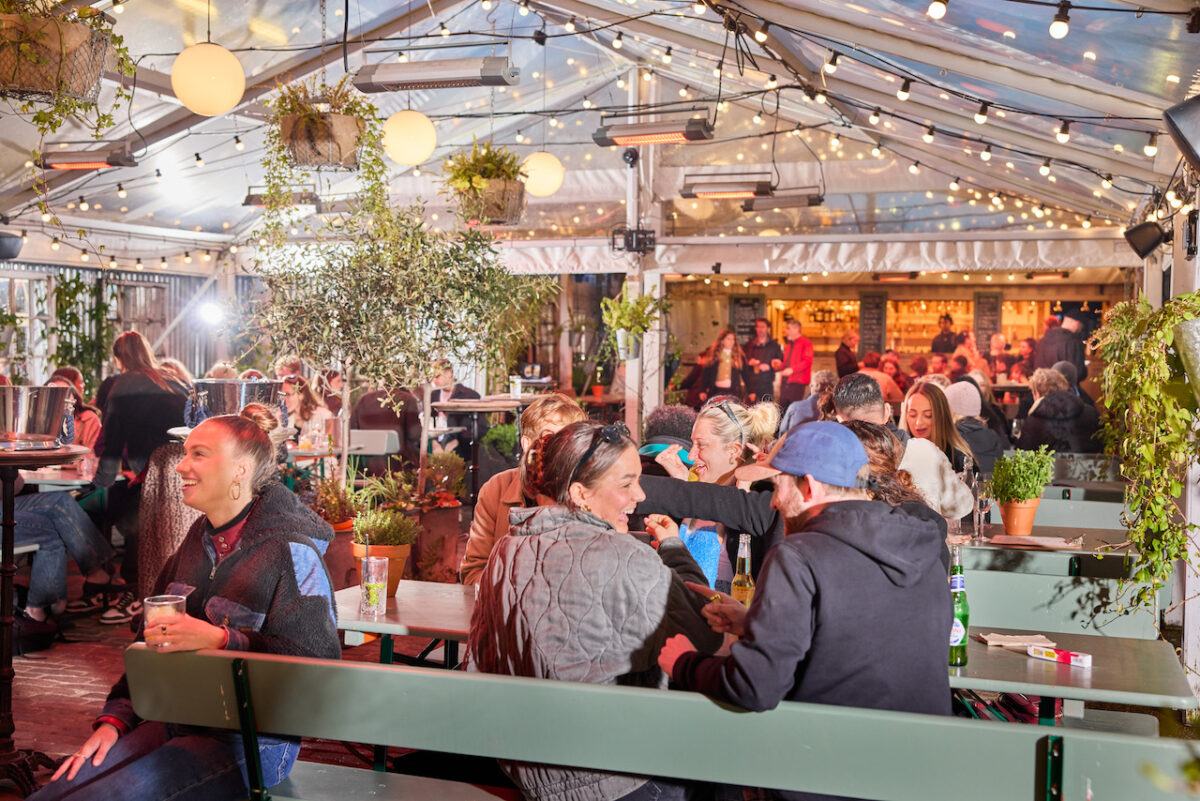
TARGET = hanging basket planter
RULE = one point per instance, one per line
(501, 202)
(628, 346)
(321, 139)
(43, 59)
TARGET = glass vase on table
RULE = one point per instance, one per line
(981, 490)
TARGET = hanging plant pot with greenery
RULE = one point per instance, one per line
(48, 58)
(628, 321)
(486, 183)
(320, 125)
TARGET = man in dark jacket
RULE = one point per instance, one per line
(1063, 422)
(763, 358)
(1063, 343)
(852, 608)
(846, 356)
(944, 342)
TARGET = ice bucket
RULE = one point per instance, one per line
(31, 417)
(216, 396)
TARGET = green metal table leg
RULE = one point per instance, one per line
(385, 658)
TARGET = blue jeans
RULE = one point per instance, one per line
(58, 526)
(163, 762)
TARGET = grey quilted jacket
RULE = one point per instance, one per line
(567, 597)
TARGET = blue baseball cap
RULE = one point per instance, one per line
(827, 451)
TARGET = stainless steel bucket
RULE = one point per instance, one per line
(31, 417)
(227, 395)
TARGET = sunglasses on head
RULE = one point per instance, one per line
(724, 406)
(613, 435)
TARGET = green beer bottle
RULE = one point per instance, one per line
(962, 611)
(743, 584)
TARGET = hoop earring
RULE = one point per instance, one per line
(235, 490)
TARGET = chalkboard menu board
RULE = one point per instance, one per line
(988, 309)
(743, 311)
(872, 321)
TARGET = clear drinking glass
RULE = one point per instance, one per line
(159, 607)
(374, 586)
(983, 504)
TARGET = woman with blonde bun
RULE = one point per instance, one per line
(726, 435)
(251, 569)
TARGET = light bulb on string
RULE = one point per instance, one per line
(772, 82)
(717, 69)
(199, 161)
(820, 97)
(586, 103)
(831, 65)
(520, 137)
(1106, 182)
(45, 216)
(112, 263)
(927, 137)
(187, 257)
(760, 35)
(758, 120)
(619, 42)
(699, 8)
(121, 193)
(1061, 25)
(1151, 148)
(138, 265)
(905, 90)
(1045, 168)
(523, 8)
(158, 176)
(207, 255)
(835, 142)
(570, 26)
(981, 116)
(443, 30)
(487, 5)
(1087, 221)
(24, 236)
(83, 256)
(666, 56)
(937, 9)
(162, 264)
(118, 7)
(876, 151)
(874, 118)
(1063, 134)
(986, 155)
(83, 204)
(54, 244)
(915, 167)
(683, 91)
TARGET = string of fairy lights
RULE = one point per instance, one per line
(1157, 203)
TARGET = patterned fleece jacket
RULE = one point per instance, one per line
(565, 596)
(272, 594)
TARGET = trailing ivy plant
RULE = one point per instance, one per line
(1150, 425)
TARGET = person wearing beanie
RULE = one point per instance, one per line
(966, 405)
(1072, 375)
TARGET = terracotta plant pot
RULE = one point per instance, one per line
(1018, 517)
(340, 559)
(60, 59)
(324, 139)
(345, 525)
(397, 556)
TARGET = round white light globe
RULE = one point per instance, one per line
(544, 173)
(409, 137)
(208, 79)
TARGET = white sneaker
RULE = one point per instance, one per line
(123, 609)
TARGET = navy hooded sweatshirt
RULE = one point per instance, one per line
(854, 610)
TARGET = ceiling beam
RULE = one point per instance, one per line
(179, 120)
(1042, 79)
(1175, 6)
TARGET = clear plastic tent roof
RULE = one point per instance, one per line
(1111, 76)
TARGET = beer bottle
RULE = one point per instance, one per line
(743, 584)
(962, 611)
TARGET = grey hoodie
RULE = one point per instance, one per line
(565, 596)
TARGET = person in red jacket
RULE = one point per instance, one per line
(797, 365)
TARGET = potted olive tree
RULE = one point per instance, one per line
(388, 532)
(486, 183)
(1018, 480)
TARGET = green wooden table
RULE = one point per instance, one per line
(980, 554)
(1124, 671)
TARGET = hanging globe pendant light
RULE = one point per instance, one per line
(544, 173)
(409, 137)
(208, 79)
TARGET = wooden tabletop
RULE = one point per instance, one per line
(981, 555)
(63, 454)
(418, 609)
(1123, 671)
(488, 403)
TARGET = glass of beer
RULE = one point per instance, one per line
(374, 586)
(159, 608)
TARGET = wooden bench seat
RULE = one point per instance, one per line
(863, 753)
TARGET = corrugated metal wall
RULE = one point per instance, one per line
(148, 302)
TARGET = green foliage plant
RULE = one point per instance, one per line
(470, 171)
(43, 28)
(334, 501)
(385, 525)
(502, 439)
(85, 330)
(1150, 425)
(395, 489)
(637, 316)
(311, 102)
(445, 471)
(1022, 475)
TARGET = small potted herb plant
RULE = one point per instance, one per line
(627, 321)
(1018, 480)
(388, 532)
(502, 441)
(335, 503)
(486, 181)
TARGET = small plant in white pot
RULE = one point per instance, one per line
(1018, 480)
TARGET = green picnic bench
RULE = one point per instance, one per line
(862, 753)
